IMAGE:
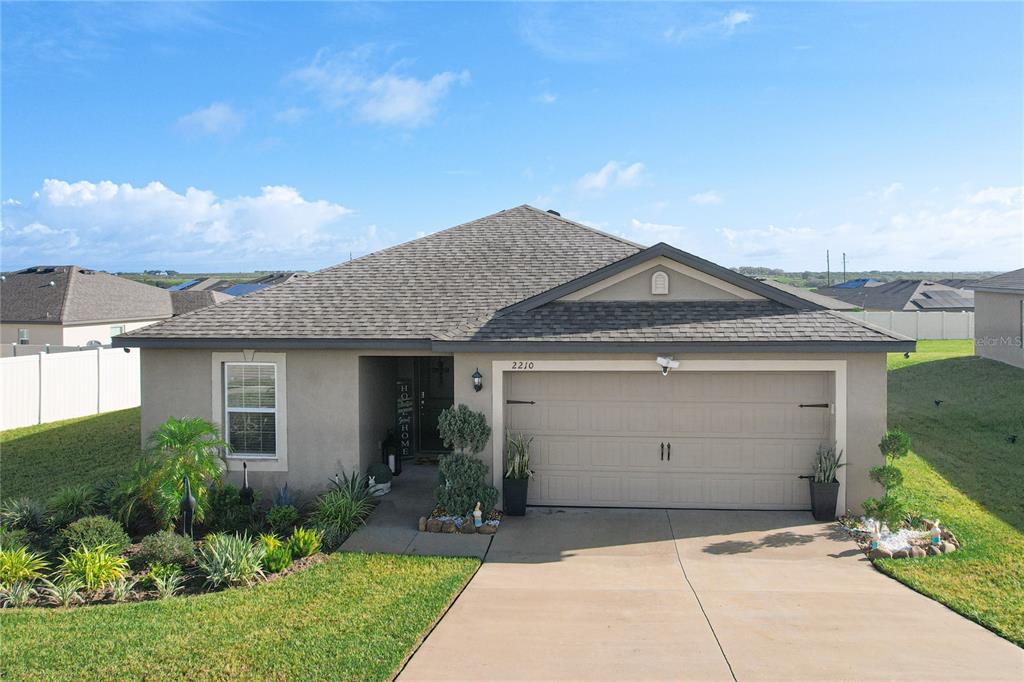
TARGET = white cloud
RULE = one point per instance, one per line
(724, 26)
(706, 198)
(612, 175)
(546, 98)
(346, 81)
(217, 119)
(1007, 196)
(887, 192)
(958, 234)
(735, 18)
(121, 226)
(651, 233)
(291, 115)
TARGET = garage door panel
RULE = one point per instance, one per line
(739, 439)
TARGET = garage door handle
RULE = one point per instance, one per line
(814, 405)
(670, 452)
(662, 452)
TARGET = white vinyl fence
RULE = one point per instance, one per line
(935, 324)
(48, 387)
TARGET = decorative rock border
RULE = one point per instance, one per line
(440, 522)
(920, 546)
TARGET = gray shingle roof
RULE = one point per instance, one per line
(188, 300)
(78, 295)
(670, 322)
(415, 289)
(806, 294)
(903, 294)
(1010, 282)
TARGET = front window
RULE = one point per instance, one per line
(116, 329)
(23, 336)
(250, 408)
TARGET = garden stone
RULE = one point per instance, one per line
(487, 529)
(933, 550)
(880, 553)
(434, 525)
(467, 525)
(448, 527)
(948, 547)
(901, 554)
(918, 552)
(423, 524)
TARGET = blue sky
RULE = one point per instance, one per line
(272, 136)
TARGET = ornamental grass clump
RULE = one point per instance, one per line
(95, 567)
(71, 504)
(64, 593)
(230, 560)
(23, 513)
(304, 542)
(19, 564)
(338, 513)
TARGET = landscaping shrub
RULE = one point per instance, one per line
(282, 519)
(93, 531)
(165, 547)
(337, 514)
(463, 476)
(13, 537)
(228, 560)
(95, 567)
(277, 559)
(890, 509)
(24, 513)
(19, 593)
(120, 589)
(354, 486)
(63, 592)
(304, 542)
(20, 564)
(70, 504)
(465, 484)
(166, 579)
(180, 447)
(226, 513)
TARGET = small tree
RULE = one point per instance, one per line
(894, 445)
(463, 475)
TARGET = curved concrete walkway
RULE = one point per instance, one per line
(702, 595)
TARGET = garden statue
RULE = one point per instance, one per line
(188, 508)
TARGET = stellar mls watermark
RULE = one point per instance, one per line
(1011, 341)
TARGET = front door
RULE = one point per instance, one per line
(435, 388)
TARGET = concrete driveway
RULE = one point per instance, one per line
(704, 595)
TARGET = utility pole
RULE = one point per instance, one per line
(828, 268)
(844, 266)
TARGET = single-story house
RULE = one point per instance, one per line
(67, 305)
(186, 301)
(999, 317)
(903, 294)
(647, 377)
(814, 297)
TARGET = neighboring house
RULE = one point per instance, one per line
(903, 294)
(999, 317)
(808, 295)
(855, 283)
(205, 284)
(549, 328)
(66, 305)
(270, 280)
(187, 301)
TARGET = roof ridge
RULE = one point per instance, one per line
(559, 216)
(62, 315)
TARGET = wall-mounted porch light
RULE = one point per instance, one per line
(478, 380)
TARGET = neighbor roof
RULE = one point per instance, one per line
(187, 301)
(270, 280)
(824, 301)
(497, 279)
(1009, 282)
(903, 294)
(69, 294)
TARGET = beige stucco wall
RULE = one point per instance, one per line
(998, 328)
(67, 335)
(866, 400)
(680, 288)
(335, 416)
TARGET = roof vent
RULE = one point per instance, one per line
(554, 212)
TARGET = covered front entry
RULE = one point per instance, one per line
(692, 439)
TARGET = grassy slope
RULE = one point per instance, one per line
(964, 471)
(355, 617)
(39, 460)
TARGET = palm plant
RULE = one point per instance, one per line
(182, 447)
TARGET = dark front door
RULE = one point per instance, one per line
(435, 388)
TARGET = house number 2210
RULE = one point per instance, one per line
(518, 364)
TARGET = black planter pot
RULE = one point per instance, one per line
(823, 500)
(515, 496)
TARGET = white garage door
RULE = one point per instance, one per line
(717, 440)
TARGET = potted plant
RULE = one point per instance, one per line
(517, 477)
(378, 479)
(825, 484)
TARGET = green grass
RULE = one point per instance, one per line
(965, 472)
(928, 351)
(39, 460)
(354, 617)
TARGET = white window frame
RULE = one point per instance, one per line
(23, 336)
(116, 326)
(255, 462)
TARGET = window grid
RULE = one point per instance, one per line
(250, 408)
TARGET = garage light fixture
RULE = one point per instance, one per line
(667, 364)
(478, 380)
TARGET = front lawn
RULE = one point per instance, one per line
(37, 461)
(354, 617)
(965, 470)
